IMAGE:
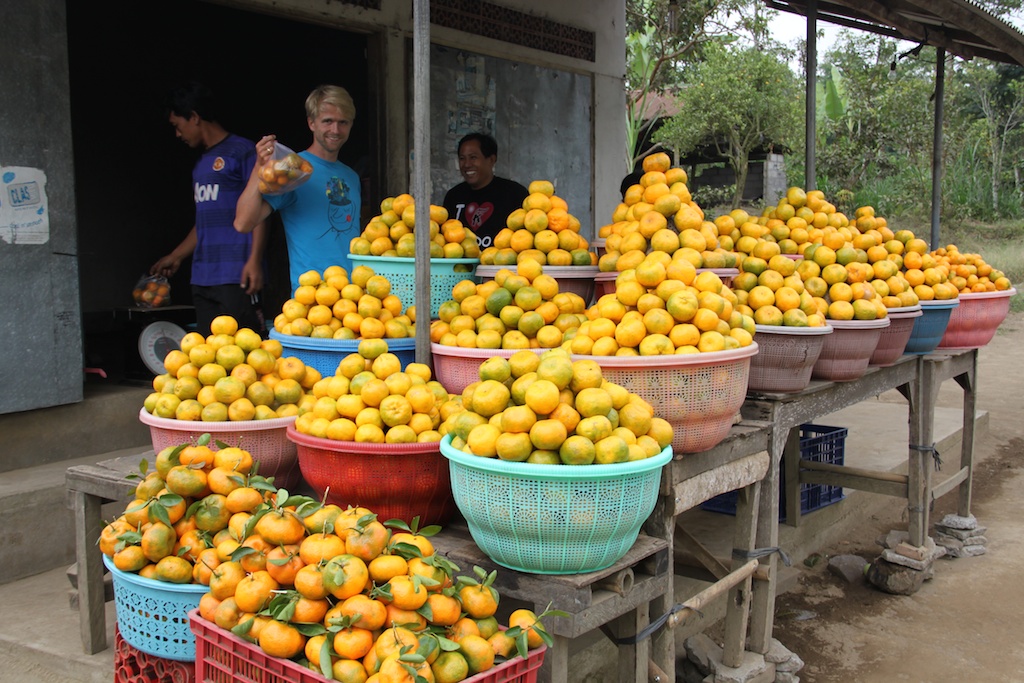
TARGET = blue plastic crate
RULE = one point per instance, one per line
(818, 443)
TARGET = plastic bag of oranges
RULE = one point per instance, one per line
(284, 172)
(152, 291)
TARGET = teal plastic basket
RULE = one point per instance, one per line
(401, 273)
(554, 519)
(325, 354)
(930, 326)
(152, 616)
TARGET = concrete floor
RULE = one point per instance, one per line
(39, 634)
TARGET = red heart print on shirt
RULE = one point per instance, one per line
(477, 214)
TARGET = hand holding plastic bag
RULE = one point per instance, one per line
(152, 291)
(284, 172)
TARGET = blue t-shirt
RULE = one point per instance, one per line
(218, 179)
(320, 217)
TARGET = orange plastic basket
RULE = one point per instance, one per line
(396, 481)
(700, 394)
(264, 439)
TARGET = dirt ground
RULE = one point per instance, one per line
(964, 624)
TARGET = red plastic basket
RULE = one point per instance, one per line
(785, 357)
(894, 338)
(456, 367)
(264, 439)
(396, 481)
(222, 657)
(700, 394)
(973, 323)
(132, 665)
(845, 354)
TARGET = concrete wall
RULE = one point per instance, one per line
(40, 319)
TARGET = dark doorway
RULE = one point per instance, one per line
(133, 177)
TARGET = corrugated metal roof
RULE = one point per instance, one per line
(961, 27)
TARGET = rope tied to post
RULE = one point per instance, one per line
(758, 553)
(651, 628)
(929, 449)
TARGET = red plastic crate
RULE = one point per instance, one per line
(135, 666)
(222, 657)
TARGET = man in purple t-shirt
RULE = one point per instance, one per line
(227, 267)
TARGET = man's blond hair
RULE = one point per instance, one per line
(330, 94)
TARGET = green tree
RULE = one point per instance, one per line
(991, 96)
(735, 101)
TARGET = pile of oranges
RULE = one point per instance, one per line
(335, 305)
(232, 374)
(392, 232)
(372, 399)
(659, 214)
(550, 409)
(542, 229)
(335, 589)
(515, 310)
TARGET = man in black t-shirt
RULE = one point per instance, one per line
(483, 202)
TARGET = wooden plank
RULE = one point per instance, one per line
(92, 616)
(734, 475)
(939, 490)
(738, 605)
(853, 481)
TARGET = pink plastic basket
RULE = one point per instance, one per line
(973, 323)
(396, 481)
(700, 394)
(894, 338)
(785, 357)
(264, 439)
(575, 279)
(845, 354)
(456, 367)
(604, 283)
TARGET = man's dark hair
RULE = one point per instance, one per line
(192, 97)
(488, 145)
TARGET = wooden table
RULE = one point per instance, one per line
(918, 379)
(739, 463)
(89, 487)
(618, 596)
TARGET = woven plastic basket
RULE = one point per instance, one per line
(222, 657)
(266, 440)
(845, 354)
(785, 357)
(401, 273)
(396, 481)
(930, 326)
(152, 616)
(894, 338)
(325, 354)
(700, 394)
(576, 279)
(554, 519)
(456, 367)
(974, 322)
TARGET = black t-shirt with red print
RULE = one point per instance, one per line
(485, 211)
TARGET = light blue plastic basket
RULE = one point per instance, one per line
(554, 519)
(930, 326)
(401, 273)
(325, 354)
(152, 616)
